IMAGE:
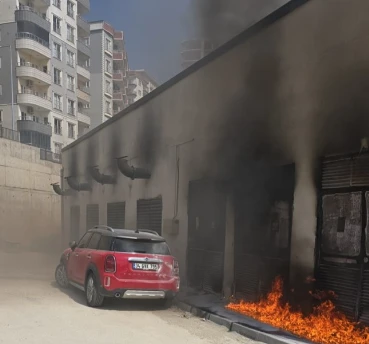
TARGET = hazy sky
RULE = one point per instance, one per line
(153, 31)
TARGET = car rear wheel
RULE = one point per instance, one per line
(61, 277)
(93, 297)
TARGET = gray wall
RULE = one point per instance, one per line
(30, 210)
(97, 70)
(291, 92)
(8, 32)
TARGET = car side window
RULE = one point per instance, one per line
(94, 242)
(84, 241)
(105, 243)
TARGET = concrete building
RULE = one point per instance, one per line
(39, 77)
(194, 50)
(140, 84)
(231, 160)
(109, 66)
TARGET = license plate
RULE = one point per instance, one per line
(145, 266)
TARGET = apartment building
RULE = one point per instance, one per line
(140, 84)
(41, 85)
(109, 72)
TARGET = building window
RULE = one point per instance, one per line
(58, 147)
(108, 44)
(0, 62)
(71, 58)
(56, 3)
(70, 9)
(57, 51)
(107, 66)
(70, 33)
(71, 130)
(1, 90)
(71, 105)
(56, 24)
(70, 83)
(57, 76)
(57, 101)
(1, 116)
(57, 126)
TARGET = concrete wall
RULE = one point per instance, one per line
(30, 210)
(280, 94)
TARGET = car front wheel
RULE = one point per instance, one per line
(93, 297)
(61, 277)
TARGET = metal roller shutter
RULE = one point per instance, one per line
(92, 216)
(74, 223)
(342, 241)
(149, 214)
(116, 213)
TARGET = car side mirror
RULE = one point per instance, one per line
(72, 245)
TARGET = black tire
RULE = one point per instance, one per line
(166, 303)
(61, 277)
(93, 296)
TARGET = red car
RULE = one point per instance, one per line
(120, 263)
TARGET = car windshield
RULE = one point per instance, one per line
(141, 246)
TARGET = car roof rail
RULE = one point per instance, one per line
(105, 227)
(147, 231)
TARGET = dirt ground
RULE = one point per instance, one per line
(34, 310)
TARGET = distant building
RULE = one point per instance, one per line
(140, 84)
(194, 50)
(41, 41)
(109, 72)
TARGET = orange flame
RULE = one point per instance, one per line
(325, 325)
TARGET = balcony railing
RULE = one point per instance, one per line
(27, 35)
(26, 13)
(83, 47)
(9, 134)
(32, 65)
(50, 156)
(28, 124)
(83, 24)
(35, 93)
(84, 89)
(83, 65)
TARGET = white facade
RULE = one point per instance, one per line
(140, 84)
(45, 71)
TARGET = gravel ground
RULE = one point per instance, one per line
(34, 310)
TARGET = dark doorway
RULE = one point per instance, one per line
(263, 222)
(343, 244)
(116, 213)
(149, 214)
(92, 216)
(206, 235)
(74, 223)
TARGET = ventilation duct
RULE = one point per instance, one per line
(132, 172)
(75, 185)
(58, 190)
(101, 178)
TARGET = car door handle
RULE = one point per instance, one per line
(88, 256)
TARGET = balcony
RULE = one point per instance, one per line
(83, 25)
(31, 98)
(83, 117)
(33, 45)
(118, 55)
(118, 96)
(31, 72)
(83, 71)
(83, 93)
(30, 125)
(83, 6)
(118, 75)
(83, 48)
(26, 13)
